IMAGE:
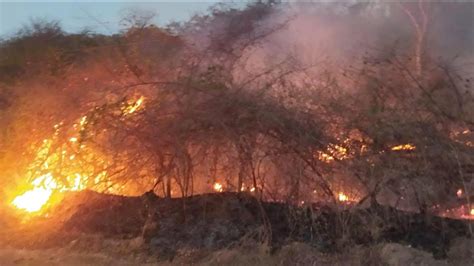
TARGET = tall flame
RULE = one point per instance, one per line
(45, 185)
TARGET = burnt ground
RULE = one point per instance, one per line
(212, 222)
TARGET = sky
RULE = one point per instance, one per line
(101, 17)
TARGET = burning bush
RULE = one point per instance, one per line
(223, 111)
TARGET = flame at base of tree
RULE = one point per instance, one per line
(33, 200)
(48, 183)
(43, 188)
(72, 175)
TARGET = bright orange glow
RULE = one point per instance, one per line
(333, 151)
(325, 157)
(49, 157)
(134, 106)
(83, 121)
(33, 200)
(342, 197)
(404, 147)
(472, 211)
(218, 187)
(43, 187)
(459, 193)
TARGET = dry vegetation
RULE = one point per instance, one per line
(332, 148)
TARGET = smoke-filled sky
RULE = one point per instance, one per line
(101, 17)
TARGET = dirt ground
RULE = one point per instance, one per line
(389, 254)
(58, 257)
(223, 229)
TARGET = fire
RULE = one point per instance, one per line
(342, 197)
(472, 211)
(459, 193)
(49, 157)
(33, 200)
(325, 157)
(132, 107)
(245, 188)
(83, 121)
(218, 187)
(43, 188)
(46, 184)
(404, 147)
(333, 151)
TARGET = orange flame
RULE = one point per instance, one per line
(218, 187)
(43, 188)
(45, 185)
(134, 106)
(342, 197)
(404, 147)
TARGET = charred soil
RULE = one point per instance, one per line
(164, 229)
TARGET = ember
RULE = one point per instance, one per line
(404, 147)
(134, 106)
(342, 197)
(218, 187)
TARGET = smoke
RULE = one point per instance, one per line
(336, 36)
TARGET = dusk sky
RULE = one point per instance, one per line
(101, 17)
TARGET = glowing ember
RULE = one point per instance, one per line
(334, 152)
(459, 193)
(325, 157)
(404, 147)
(342, 197)
(134, 106)
(83, 121)
(472, 211)
(218, 187)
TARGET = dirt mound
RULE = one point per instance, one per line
(210, 221)
(109, 215)
(219, 221)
